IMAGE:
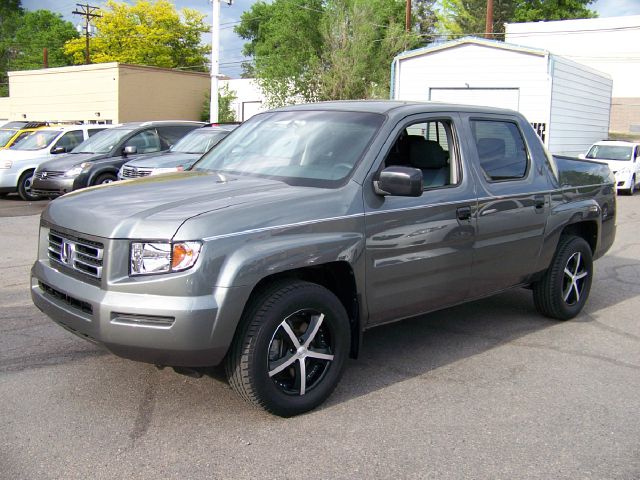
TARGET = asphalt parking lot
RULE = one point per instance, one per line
(487, 390)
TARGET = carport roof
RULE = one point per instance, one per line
(471, 41)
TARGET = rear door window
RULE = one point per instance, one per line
(170, 135)
(501, 149)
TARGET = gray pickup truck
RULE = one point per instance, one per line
(311, 224)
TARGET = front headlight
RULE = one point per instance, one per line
(6, 165)
(78, 169)
(163, 257)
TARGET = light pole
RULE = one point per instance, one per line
(215, 58)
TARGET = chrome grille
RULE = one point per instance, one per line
(78, 254)
(43, 175)
(134, 172)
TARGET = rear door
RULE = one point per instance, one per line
(513, 202)
(419, 249)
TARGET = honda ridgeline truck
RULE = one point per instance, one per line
(310, 224)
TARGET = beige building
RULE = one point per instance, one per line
(105, 93)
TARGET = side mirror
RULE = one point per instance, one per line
(582, 156)
(56, 150)
(399, 181)
(129, 150)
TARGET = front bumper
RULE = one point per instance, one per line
(52, 187)
(623, 181)
(164, 330)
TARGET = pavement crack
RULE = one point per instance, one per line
(145, 409)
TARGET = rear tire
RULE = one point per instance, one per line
(290, 349)
(24, 186)
(564, 288)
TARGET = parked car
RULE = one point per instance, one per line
(98, 160)
(15, 131)
(622, 158)
(180, 156)
(273, 254)
(19, 161)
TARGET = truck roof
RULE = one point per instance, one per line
(388, 106)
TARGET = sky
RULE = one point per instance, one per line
(231, 44)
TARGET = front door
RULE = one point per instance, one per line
(419, 249)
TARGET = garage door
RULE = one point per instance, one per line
(486, 97)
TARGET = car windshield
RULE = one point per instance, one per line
(102, 142)
(198, 141)
(610, 152)
(5, 136)
(314, 148)
(36, 140)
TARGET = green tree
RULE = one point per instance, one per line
(146, 33)
(536, 10)
(37, 30)
(226, 96)
(360, 39)
(344, 51)
(285, 42)
(10, 13)
(24, 35)
(468, 17)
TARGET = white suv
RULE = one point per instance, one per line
(18, 162)
(622, 158)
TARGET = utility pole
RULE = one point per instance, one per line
(489, 25)
(407, 19)
(87, 11)
(215, 58)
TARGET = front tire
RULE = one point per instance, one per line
(564, 288)
(632, 187)
(105, 178)
(290, 351)
(24, 186)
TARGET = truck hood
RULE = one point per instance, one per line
(165, 160)
(155, 207)
(66, 161)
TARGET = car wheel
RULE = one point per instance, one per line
(632, 187)
(565, 287)
(105, 178)
(291, 348)
(24, 186)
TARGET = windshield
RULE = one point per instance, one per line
(5, 136)
(314, 148)
(102, 142)
(198, 141)
(36, 140)
(610, 152)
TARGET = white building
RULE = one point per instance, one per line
(610, 45)
(249, 97)
(566, 102)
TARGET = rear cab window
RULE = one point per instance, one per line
(501, 149)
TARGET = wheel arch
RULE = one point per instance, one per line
(94, 175)
(585, 229)
(338, 277)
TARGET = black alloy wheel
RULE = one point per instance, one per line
(564, 288)
(290, 350)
